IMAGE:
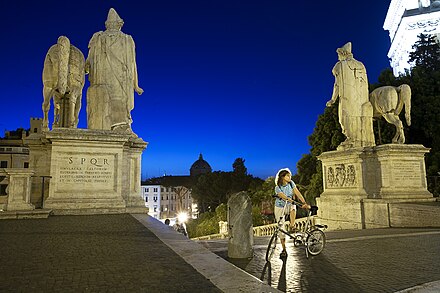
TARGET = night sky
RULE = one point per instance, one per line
(225, 78)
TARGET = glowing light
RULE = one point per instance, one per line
(182, 217)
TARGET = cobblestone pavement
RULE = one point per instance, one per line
(105, 253)
(376, 260)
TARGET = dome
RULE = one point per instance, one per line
(200, 167)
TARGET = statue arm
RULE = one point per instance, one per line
(335, 71)
(334, 95)
(137, 89)
(135, 81)
(90, 56)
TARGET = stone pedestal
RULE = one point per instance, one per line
(360, 183)
(91, 171)
(19, 189)
(241, 237)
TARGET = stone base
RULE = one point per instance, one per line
(89, 171)
(382, 213)
(136, 210)
(83, 204)
(340, 212)
(363, 187)
(34, 214)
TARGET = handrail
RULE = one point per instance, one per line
(265, 230)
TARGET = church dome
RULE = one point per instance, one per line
(200, 167)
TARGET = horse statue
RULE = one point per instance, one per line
(63, 80)
(388, 102)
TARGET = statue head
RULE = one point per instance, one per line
(113, 22)
(344, 52)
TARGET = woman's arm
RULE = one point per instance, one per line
(301, 198)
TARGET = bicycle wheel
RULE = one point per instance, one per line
(315, 242)
(271, 247)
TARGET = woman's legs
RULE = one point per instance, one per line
(279, 217)
(292, 219)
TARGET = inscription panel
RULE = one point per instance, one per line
(86, 172)
(405, 173)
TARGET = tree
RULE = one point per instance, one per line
(426, 54)
(239, 168)
(212, 189)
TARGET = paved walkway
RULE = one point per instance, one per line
(111, 253)
(136, 253)
(377, 260)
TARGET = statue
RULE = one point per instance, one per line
(111, 65)
(63, 80)
(355, 111)
(387, 102)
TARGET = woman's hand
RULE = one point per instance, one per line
(306, 206)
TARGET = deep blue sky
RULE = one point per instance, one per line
(225, 78)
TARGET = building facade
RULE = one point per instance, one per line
(166, 202)
(13, 152)
(405, 20)
(168, 196)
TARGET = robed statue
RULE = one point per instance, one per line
(355, 110)
(111, 65)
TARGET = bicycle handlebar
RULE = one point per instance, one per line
(297, 203)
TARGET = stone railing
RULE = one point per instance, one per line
(265, 230)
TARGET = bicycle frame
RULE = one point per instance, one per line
(309, 236)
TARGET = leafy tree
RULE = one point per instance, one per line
(239, 168)
(213, 189)
(426, 54)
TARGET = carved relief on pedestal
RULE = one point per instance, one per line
(341, 175)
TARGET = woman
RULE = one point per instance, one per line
(286, 190)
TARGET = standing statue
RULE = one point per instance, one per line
(63, 80)
(111, 65)
(388, 102)
(355, 111)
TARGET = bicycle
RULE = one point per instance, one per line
(311, 236)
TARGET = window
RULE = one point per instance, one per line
(161, 189)
(155, 209)
(3, 189)
(146, 199)
(155, 198)
(148, 190)
(155, 189)
(167, 197)
(161, 197)
(26, 165)
(4, 164)
(35, 130)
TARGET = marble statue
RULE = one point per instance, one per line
(111, 65)
(63, 80)
(355, 110)
(388, 102)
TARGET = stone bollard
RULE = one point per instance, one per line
(241, 238)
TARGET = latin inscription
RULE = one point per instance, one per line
(406, 173)
(87, 170)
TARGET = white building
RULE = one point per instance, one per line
(166, 202)
(405, 20)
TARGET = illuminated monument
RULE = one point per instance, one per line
(405, 20)
(365, 185)
(94, 170)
